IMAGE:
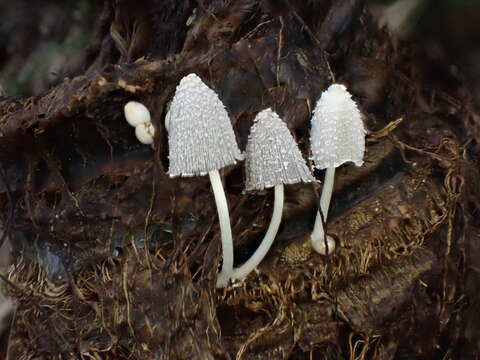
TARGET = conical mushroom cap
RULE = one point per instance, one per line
(273, 157)
(201, 137)
(337, 135)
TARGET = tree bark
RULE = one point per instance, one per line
(118, 261)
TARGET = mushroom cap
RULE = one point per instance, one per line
(200, 135)
(337, 135)
(273, 157)
(136, 113)
(145, 132)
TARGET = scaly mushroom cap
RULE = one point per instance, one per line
(337, 134)
(273, 157)
(201, 137)
(144, 133)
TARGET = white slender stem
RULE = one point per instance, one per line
(242, 271)
(225, 229)
(318, 234)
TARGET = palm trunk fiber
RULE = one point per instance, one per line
(115, 260)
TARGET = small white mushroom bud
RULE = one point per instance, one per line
(136, 113)
(145, 132)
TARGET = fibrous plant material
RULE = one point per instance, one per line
(337, 136)
(273, 159)
(130, 283)
(201, 140)
(138, 116)
(145, 133)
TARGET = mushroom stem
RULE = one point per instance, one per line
(318, 234)
(225, 229)
(243, 270)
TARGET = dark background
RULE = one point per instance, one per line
(42, 41)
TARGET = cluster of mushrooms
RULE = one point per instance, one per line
(138, 116)
(201, 141)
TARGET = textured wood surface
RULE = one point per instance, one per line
(116, 260)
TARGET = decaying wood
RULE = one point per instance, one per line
(120, 261)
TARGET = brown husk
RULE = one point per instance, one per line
(118, 261)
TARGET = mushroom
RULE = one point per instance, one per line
(136, 113)
(201, 141)
(272, 160)
(138, 116)
(145, 132)
(337, 136)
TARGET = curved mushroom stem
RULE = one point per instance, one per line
(225, 229)
(318, 234)
(243, 270)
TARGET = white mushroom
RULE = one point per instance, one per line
(167, 121)
(145, 132)
(201, 140)
(273, 159)
(136, 113)
(337, 136)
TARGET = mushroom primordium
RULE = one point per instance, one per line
(337, 136)
(201, 141)
(272, 160)
(138, 116)
(136, 113)
(144, 133)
